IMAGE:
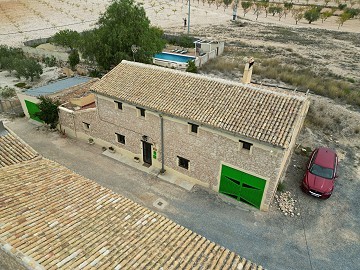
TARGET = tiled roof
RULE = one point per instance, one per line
(13, 151)
(53, 218)
(258, 113)
(75, 91)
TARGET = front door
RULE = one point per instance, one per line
(146, 152)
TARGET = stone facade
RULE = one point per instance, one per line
(206, 150)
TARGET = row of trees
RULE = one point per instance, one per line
(13, 59)
(122, 32)
(310, 13)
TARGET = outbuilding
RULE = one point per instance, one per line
(57, 89)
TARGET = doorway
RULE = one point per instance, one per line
(147, 153)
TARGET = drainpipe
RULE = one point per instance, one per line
(162, 142)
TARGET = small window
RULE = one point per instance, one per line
(86, 125)
(193, 128)
(183, 162)
(246, 145)
(141, 111)
(120, 138)
(118, 105)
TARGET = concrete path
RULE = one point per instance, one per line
(269, 239)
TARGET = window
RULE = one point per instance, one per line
(183, 162)
(141, 111)
(120, 138)
(193, 128)
(246, 145)
(86, 125)
(118, 105)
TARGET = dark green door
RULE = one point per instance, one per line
(32, 109)
(241, 186)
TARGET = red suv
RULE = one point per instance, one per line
(320, 173)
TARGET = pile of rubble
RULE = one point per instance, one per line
(286, 204)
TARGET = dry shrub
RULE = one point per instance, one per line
(221, 64)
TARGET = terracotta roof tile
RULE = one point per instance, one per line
(263, 114)
(13, 150)
(58, 219)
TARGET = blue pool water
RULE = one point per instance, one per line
(173, 57)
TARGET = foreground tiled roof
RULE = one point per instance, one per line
(53, 218)
(13, 150)
(265, 115)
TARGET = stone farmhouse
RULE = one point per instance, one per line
(233, 138)
(53, 218)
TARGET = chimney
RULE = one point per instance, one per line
(248, 70)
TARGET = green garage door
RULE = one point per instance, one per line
(241, 186)
(32, 109)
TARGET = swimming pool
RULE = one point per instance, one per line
(173, 57)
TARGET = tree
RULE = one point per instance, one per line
(353, 12)
(8, 57)
(28, 68)
(325, 15)
(272, 10)
(265, 6)
(48, 111)
(246, 5)
(74, 59)
(343, 18)
(298, 14)
(226, 3)
(287, 7)
(257, 9)
(66, 38)
(123, 24)
(280, 11)
(312, 15)
(191, 67)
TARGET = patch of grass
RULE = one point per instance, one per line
(305, 79)
(221, 64)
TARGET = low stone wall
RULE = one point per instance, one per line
(10, 106)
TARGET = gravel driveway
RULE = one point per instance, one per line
(324, 236)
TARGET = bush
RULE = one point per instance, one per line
(21, 85)
(7, 92)
(50, 61)
(182, 41)
(342, 6)
(48, 111)
(191, 67)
